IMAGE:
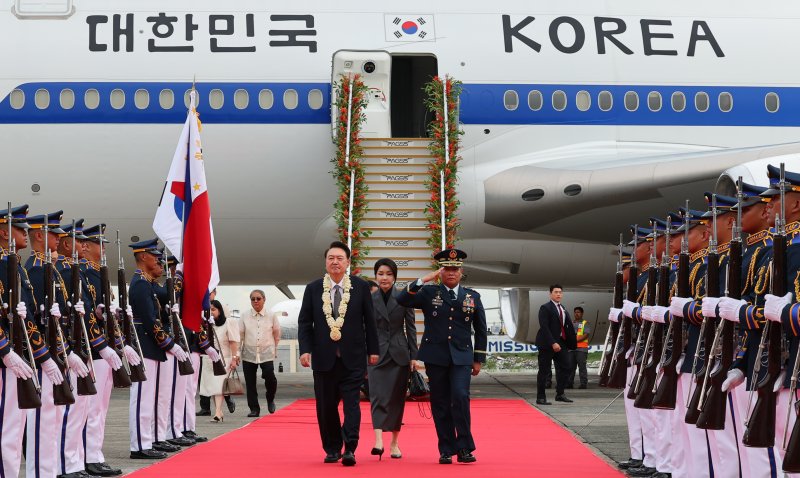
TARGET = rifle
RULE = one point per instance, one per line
(617, 376)
(29, 390)
(650, 364)
(122, 375)
(666, 393)
(138, 372)
(219, 366)
(760, 425)
(613, 328)
(80, 337)
(62, 394)
(185, 367)
(713, 408)
(647, 326)
(706, 333)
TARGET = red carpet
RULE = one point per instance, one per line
(513, 439)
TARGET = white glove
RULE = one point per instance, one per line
(114, 307)
(212, 354)
(76, 365)
(179, 267)
(55, 310)
(628, 306)
(110, 356)
(211, 319)
(51, 369)
(22, 311)
(729, 308)
(613, 314)
(647, 312)
(129, 311)
(178, 352)
(773, 306)
(131, 355)
(176, 309)
(710, 306)
(18, 367)
(79, 308)
(735, 378)
(779, 383)
(680, 363)
(677, 304)
(658, 314)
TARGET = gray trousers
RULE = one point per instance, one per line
(579, 361)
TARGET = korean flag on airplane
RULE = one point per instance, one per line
(408, 28)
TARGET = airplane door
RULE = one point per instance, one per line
(375, 68)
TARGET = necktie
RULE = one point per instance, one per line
(561, 318)
(337, 300)
(452, 294)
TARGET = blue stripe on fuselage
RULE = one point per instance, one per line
(480, 104)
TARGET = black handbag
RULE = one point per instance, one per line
(417, 386)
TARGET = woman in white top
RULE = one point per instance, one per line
(227, 342)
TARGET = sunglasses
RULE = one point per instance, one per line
(256, 299)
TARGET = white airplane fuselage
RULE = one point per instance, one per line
(268, 164)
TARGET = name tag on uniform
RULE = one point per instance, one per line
(437, 301)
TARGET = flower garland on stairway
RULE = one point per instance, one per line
(439, 167)
(343, 170)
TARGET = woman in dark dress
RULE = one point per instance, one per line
(388, 379)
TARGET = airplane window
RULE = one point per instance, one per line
(583, 101)
(678, 101)
(533, 194)
(559, 100)
(17, 99)
(290, 99)
(67, 99)
(725, 102)
(654, 101)
(605, 100)
(572, 190)
(265, 99)
(216, 99)
(315, 99)
(631, 101)
(241, 99)
(701, 101)
(772, 102)
(117, 99)
(166, 99)
(91, 98)
(511, 100)
(42, 98)
(535, 100)
(186, 99)
(141, 99)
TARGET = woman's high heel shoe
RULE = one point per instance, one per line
(397, 453)
(217, 419)
(377, 451)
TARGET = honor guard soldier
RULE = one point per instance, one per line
(156, 344)
(452, 312)
(14, 366)
(105, 362)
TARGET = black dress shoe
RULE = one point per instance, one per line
(148, 454)
(194, 436)
(253, 414)
(661, 475)
(332, 457)
(181, 441)
(203, 413)
(542, 401)
(445, 459)
(271, 407)
(349, 458)
(102, 469)
(563, 398)
(641, 471)
(164, 446)
(465, 456)
(231, 403)
(629, 463)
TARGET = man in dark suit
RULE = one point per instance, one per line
(336, 327)
(452, 312)
(555, 338)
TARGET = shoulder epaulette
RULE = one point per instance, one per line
(758, 237)
(702, 253)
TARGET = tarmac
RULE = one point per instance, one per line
(607, 435)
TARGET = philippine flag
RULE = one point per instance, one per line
(183, 222)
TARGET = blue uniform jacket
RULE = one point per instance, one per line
(154, 340)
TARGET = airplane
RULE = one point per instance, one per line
(579, 118)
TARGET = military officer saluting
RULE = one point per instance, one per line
(452, 312)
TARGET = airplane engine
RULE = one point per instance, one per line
(754, 172)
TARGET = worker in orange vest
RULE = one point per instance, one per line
(579, 355)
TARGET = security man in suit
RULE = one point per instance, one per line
(555, 338)
(451, 312)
